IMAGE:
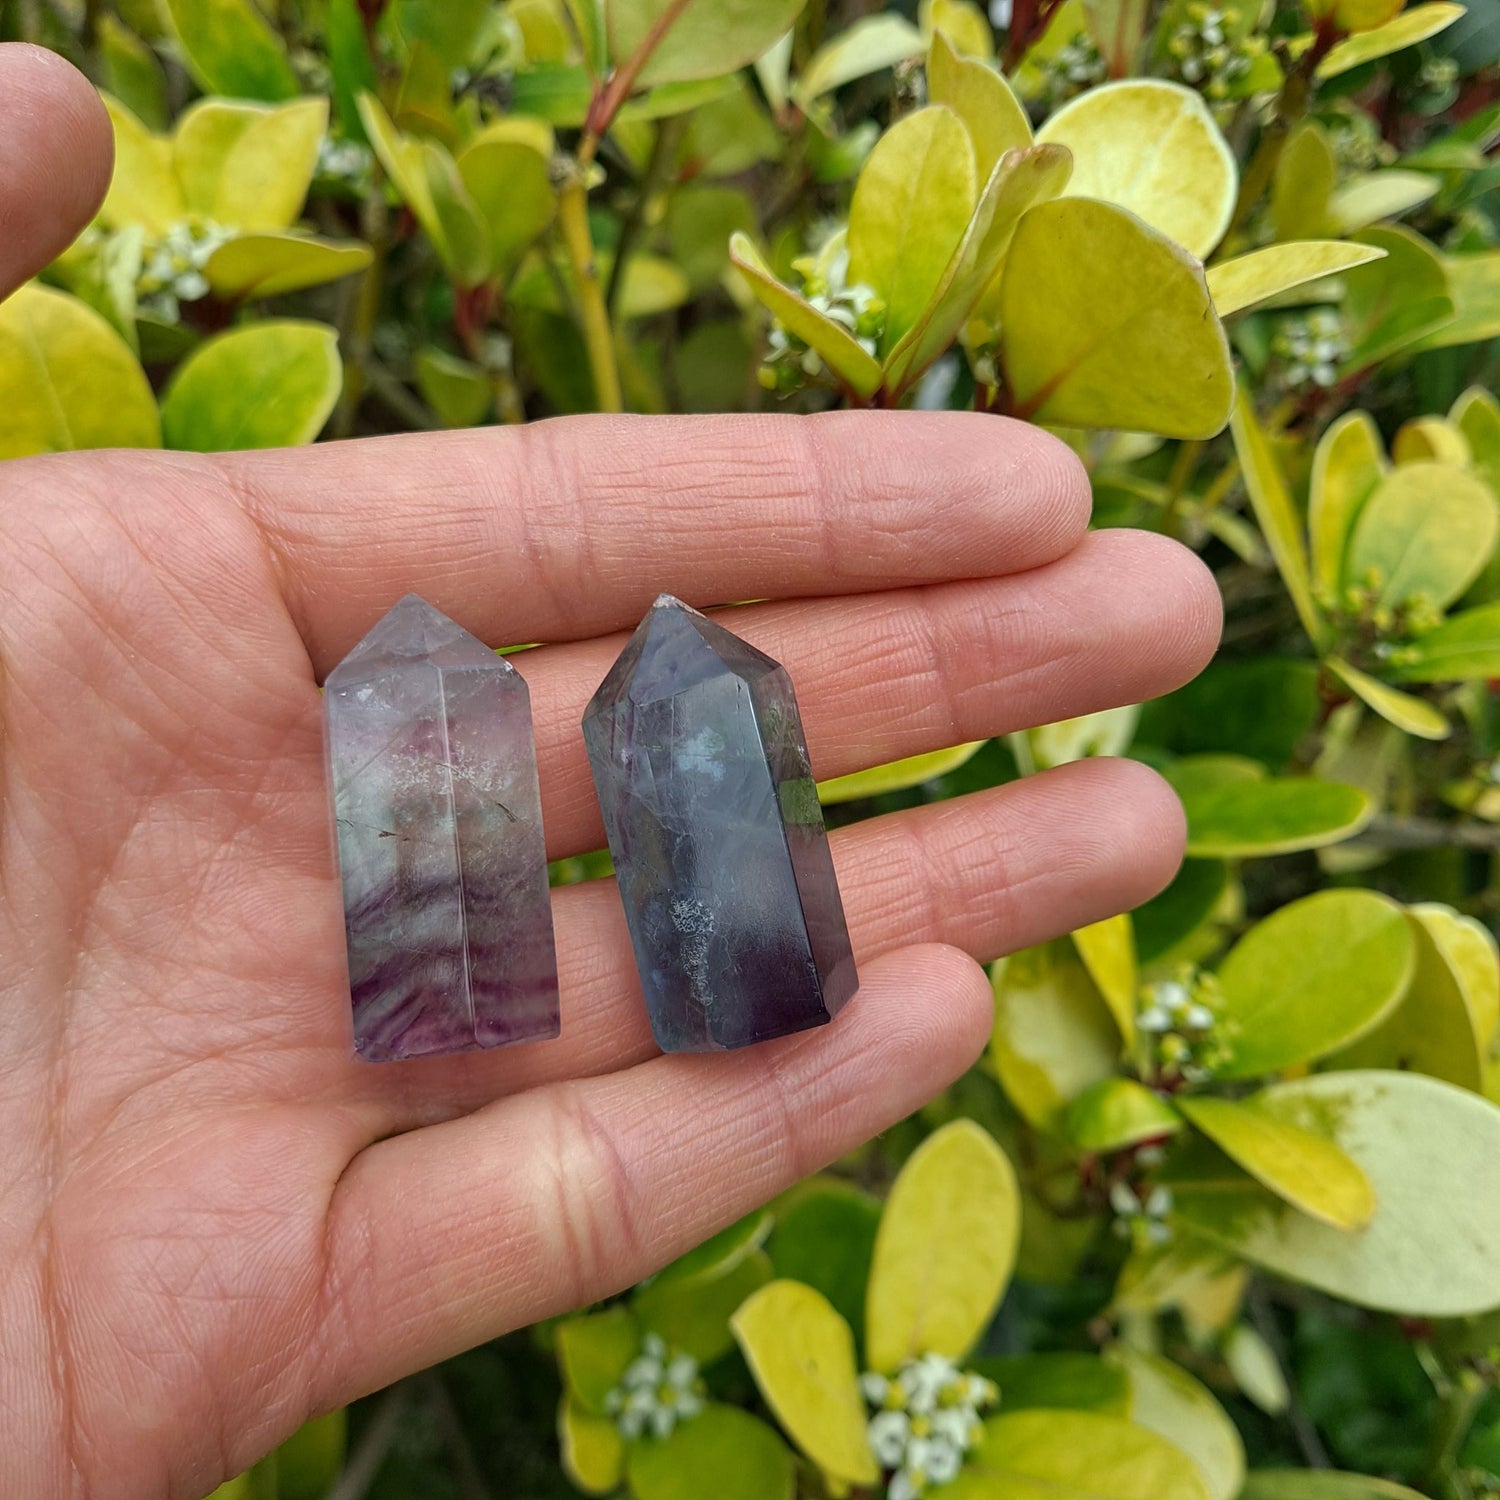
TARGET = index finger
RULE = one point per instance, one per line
(568, 528)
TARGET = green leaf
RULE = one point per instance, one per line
(1313, 977)
(68, 380)
(896, 775)
(1107, 949)
(945, 1250)
(506, 170)
(1106, 323)
(461, 393)
(1371, 196)
(867, 46)
(266, 385)
(593, 1352)
(1445, 1022)
(1119, 1112)
(1305, 1169)
(1274, 510)
(144, 189)
(1273, 815)
(1167, 919)
(349, 63)
(1474, 285)
(801, 1353)
(231, 50)
(1306, 176)
(1053, 1034)
(131, 72)
(1054, 1455)
(246, 165)
(1152, 147)
(1408, 713)
(1407, 29)
(271, 265)
(1169, 1401)
(996, 120)
(1057, 1382)
(1022, 178)
(701, 219)
(1426, 533)
(1250, 279)
(592, 1450)
(702, 39)
(1429, 1151)
(1261, 706)
(1463, 647)
(1476, 414)
(1320, 1484)
(310, 1461)
(449, 28)
(962, 22)
(1165, 1276)
(1348, 463)
(825, 1237)
(912, 203)
(840, 351)
(723, 1452)
(1393, 303)
(693, 1313)
(720, 1253)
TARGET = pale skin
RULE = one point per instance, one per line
(213, 1222)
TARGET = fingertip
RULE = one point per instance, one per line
(944, 1034)
(56, 153)
(1149, 822)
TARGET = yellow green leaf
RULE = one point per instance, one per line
(231, 50)
(1119, 1112)
(459, 391)
(945, 1248)
(1429, 1151)
(593, 1352)
(1272, 502)
(979, 95)
(1022, 178)
(723, 1452)
(1408, 713)
(592, 1450)
(309, 1462)
(266, 174)
(1171, 1403)
(144, 189)
(962, 22)
(692, 1313)
(1404, 30)
(1426, 532)
(1465, 646)
(1107, 949)
(131, 72)
(870, 44)
(1306, 176)
(1108, 732)
(1249, 279)
(270, 265)
(701, 39)
(1270, 815)
(1053, 1035)
(462, 239)
(1474, 284)
(1257, 1371)
(1430, 437)
(201, 143)
(912, 203)
(1371, 196)
(1107, 323)
(1392, 304)
(1074, 1455)
(1315, 976)
(896, 775)
(1321, 1484)
(509, 181)
(801, 1353)
(1348, 463)
(1305, 1169)
(266, 385)
(1152, 147)
(839, 349)
(68, 380)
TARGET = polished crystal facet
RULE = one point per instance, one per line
(717, 836)
(439, 835)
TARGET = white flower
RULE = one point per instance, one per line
(874, 1387)
(1123, 1200)
(659, 1388)
(928, 1420)
(903, 1488)
(888, 1434)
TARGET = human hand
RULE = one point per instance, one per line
(213, 1221)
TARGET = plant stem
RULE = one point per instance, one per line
(1460, 1405)
(663, 154)
(1183, 466)
(1428, 833)
(593, 314)
(375, 225)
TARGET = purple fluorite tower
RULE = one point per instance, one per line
(440, 849)
(718, 839)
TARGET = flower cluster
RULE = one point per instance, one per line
(827, 288)
(1180, 1027)
(659, 1389)
(1141, 1214)
(1207, 53)
(1311, 347)
(926, 1419)
(172, 267)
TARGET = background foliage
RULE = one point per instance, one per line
(1218, 1214)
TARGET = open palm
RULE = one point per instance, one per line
(213, 1222)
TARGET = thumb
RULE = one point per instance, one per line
(56, 150)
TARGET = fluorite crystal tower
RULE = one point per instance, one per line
(439, 835)
(717, 836)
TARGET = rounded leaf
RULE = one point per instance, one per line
(1262, 274)
(509, 180)
(1057, 1382)
(896, 775)
(1426, 533)
(144, 189)
(801, 1353)
(945, 1249)
(592, 1450)
(870, 44)
(593, 1352)
(690, 39)
(1306, 176)
(269, 168)
(1152, 147)
(1305, 1169)
(1311, 978)
(1271, 815)
(1405, 30)
(1119, 1112)
(1055, 1455)
(1107, 949)
(1463, 647)
(1320, 1484)
(912, 203)
(68, 380)
(231, 50)
(692, 1313)
(271, 265)
(1432, 1155)
(825, 1238)
(996, 120)
(1106, 323)
(723, 1452)
(1371, 196)
(266, 385)
(1348, 463)
(1165, 1398)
